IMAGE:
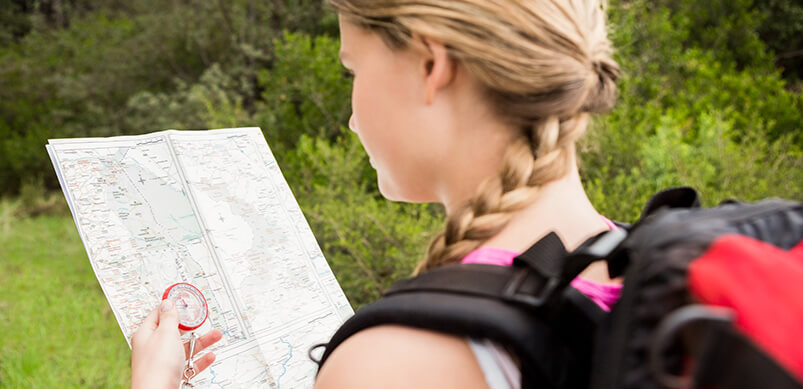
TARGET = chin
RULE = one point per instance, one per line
(395, 193)
(389, 191)
(386, 192)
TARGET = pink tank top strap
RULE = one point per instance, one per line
(605, 295)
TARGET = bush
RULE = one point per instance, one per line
(370, 242)
(671, 60)
(89, 68)
(305, 91)
(690, 116)
(212, 102)
(697, 150)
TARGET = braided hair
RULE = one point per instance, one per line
(545, 65)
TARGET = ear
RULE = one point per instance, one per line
(439, 68)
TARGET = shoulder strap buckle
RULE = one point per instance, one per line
(528, 288)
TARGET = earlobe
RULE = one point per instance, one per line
(439, 69)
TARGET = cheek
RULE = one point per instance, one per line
(377, 114)
(378, 103)
(386, 120)
(391, 119)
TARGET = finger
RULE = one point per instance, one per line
(151, 321)
(203, 342)
(147, 327)
(168, 317)
(203, 362)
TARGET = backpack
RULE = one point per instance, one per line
(683, 320)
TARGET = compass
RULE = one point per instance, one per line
(190, 305)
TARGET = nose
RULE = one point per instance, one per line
(353, 123)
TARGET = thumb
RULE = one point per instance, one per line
(147, 327)
(168, 317)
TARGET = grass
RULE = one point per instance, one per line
(56, 328)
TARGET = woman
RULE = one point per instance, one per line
(476, 104)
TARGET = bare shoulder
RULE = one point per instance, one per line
(401, 357)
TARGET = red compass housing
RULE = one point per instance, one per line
(190, 305)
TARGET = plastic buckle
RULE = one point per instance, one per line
(606, 243)
(536, 300)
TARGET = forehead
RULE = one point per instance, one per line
(359, 44)
(348, 33)
(353, 38)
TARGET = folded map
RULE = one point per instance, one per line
(210, 208)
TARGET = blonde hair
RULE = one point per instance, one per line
(545, 65)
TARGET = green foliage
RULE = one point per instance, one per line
(738, 31)
(305, 91)
(727, 28)
(84, 73)
(13, 23)
(782, 30)
(370, 242)
(669, 65)
(200, 64)
(212, 102)
(688, 115)
(684, 148)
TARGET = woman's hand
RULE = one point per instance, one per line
(157, 355)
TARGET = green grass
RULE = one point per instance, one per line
(56, 328)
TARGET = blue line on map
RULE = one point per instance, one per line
(194, 233)
(284, 364)
(214, 375)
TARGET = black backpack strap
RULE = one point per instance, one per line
(546, 360)
(527, 307)
(545, 256)
(489, 281)
(595, 249)
(529, 282)
(538, 277)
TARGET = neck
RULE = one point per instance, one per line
(562, 207)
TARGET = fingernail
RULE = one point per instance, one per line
(166, 305)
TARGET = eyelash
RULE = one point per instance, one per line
(348, 74)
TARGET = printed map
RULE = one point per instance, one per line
(210, 208)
